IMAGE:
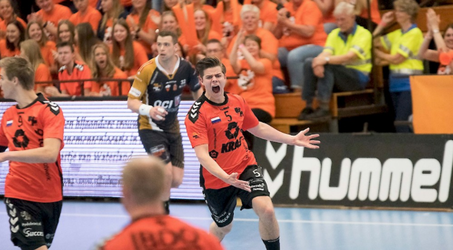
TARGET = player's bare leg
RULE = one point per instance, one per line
(268, 225)
(167, 186)
(220, 232)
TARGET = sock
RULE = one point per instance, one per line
(272, 244)
(167, 207)
(324, 105)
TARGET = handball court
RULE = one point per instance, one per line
(84, 223)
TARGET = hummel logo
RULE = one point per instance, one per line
(14, 229)
(12, 212)
(13, 221)
(193, 114)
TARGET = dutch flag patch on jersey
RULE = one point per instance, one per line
(215, 120)
(9, 123)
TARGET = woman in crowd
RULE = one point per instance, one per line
(48, 48)
(127, 54)
(112, 10)
(8, 14)
(204, 34)
(401, 53)
(85, 40)
(143, 22)
(226, 18)
(200, 4)
(168, 4)
(15, 34)
(103, 68)
(65, 31)
(444, 44)
(30, 50)
(255, 78)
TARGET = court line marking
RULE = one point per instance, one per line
(280, 221)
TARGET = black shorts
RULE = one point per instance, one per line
(32, 224)
(165, 145)
(221, 202)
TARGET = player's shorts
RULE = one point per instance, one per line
(164, 145)
(32, 224)
(221, 202)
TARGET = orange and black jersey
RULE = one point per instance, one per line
(24, 129)
(161, 232)
(220, 126)
(154, 86)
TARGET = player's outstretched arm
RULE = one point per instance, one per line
(48, 153)
(264, 131)
(209, 164)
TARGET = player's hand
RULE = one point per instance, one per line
(235, 182)
(158, 113)
(306, 141)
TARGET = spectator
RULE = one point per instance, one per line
(214, 48)
(85, 39)
(301, 34)
(127, 5)
(267, 13)
(49, 15)
(65, 31)
(402, 48)
(143, 185)
(169, 4)
(226, 18)
(200, 4)
(103, 68)
(444, 44)
(71, 70)
(85, 14)
(48, 48)
(112, 11)
(344, 64)
(15, 34)
(8, 13)
(204, 33)
(143, 22)
(250, 20)
(327, 7)
(127, 54)
(30, 50)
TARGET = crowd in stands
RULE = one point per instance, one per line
(314, 47)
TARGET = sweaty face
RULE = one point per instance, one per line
(214, 82)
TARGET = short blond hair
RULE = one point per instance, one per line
(144, 178)
(408, 6)
(342, 8)
(252, 8)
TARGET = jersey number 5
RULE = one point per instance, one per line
(228, 116)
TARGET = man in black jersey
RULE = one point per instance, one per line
(155, 95)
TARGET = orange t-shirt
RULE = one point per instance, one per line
(140, 58)
(161, 232)
(126, 3)
(91, 16)
(42, 74)
(4, 52)
(79, 72)
(220, 126)
(111, 87)
(3, 24)
(231, 84)
(47, 54)
(59, 12)
(374, 9)
(308, 13)
(268, 12)
(24, 129)
(93, 3)
(257, 88)
(133, 20)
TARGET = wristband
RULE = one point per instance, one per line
(435, 31)
(144, 109)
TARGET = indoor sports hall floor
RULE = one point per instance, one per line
(82, 224)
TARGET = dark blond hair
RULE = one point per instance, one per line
(43, 40)
(31, 49)
(128, 47)
(409, 7)
(109, 69)
(21, 69)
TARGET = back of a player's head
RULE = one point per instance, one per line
(209, 62)
(143, 180)
(172, 34)
(21, 69)
(65, 44)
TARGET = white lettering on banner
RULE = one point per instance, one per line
(366, 178)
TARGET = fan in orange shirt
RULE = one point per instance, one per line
(143, 22)
(85, 14)
(50, 14)
(127, 54)
(200, 4)
(48, 48)
(103, 68)
(7, 13)
(170, 23)
(85, 40)
(15, 34)
(112, 10)
(268, 13)
(30, 50)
